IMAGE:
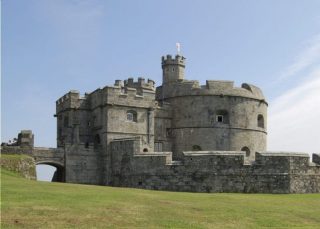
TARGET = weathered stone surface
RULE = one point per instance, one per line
(180, 136)
(214, 171)
(19, 163)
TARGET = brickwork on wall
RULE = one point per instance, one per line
(197, 171)
(213, 171)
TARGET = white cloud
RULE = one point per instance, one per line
(294, 118)
(305, 59)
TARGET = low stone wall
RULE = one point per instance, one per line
(41, 155)
(21, 164)
(16, 150)
(213, 171)
(197, 171)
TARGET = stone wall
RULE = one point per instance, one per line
(16, 150)
(21, 164)
(84, 165)
(194, 112)
(213, 171)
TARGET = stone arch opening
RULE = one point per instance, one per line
(260, 121)
(247, 150)
(57, 176)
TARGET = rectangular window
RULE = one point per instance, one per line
(219, 118)
(158, 146)
(168, 132)
(66, 121)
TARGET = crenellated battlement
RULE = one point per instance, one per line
(71, 99)
(177, 60)
(175, 85)
(138, 92)
(123, 92)
(73, 94)
(267, 159)
(172, 69)
(213, 171)
(140, 84)
(212, 87)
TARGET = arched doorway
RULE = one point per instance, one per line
(49, 171)
(247, 150)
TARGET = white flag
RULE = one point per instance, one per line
(178, 47)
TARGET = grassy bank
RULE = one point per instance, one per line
(21, 164)
(32, 204)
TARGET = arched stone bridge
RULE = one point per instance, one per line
(42, 156)
(53, 157)
(49, 156)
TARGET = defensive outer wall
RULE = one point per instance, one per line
(214, 171)
(198, 171)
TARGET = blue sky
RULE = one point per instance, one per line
(52, 46)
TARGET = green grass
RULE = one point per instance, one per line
(32, 204)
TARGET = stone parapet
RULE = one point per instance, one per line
(213, 171)
(71, 100)
(212, 88)
(169, 60)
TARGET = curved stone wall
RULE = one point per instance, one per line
(212, 122)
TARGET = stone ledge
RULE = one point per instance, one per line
(214, 153)
(282, 154)
(143, 154)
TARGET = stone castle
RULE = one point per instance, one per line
(180, 136)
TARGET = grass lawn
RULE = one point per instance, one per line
(34, 204)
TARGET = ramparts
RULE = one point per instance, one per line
(213, 171)
(71, 100)
(169, 60)
(212, 88)
(122, 93)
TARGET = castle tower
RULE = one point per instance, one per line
(172, 69)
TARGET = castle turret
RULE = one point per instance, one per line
(172, 68)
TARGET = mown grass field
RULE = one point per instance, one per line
(32, 204)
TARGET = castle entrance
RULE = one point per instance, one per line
(49, 171)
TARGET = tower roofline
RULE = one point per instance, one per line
(169, 60)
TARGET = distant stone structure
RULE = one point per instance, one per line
(25, 138)
(41, 155)
(180, 136)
